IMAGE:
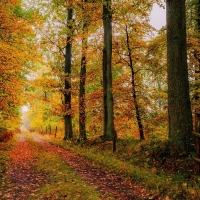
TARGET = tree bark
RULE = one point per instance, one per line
(179, 107)
(82, 116)
(107, 23)
(67, 92)
(198, 15)
(197, 95)
(197, 54)
(105, 93)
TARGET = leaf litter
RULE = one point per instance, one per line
(23, 182)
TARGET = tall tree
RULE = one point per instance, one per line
(67, 91)
(104, 70)
(105, 116)
(82, 115)
(193, 28)
(107, 56)
(197, 52)
(179, 109)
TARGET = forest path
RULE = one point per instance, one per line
(22, 181)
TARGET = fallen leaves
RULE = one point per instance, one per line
(110, 185)
(22, 182)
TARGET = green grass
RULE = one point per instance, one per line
(141, 162)
(62, 180)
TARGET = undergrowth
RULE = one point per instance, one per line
(150, 163)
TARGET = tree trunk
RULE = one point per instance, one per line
(107, 23)
(55, 131)
(82, 117)
(105, 93)
(67, 92)
(198, 15)
(197, 56)
(179, 108)
(197, 95)
(49, 129)
(138, 117)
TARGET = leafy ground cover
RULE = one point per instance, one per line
(149, 163)
(5, 149)
(31, 172)
(20, 180)
(36, 169)
(63, 182)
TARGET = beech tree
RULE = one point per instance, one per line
(179, 108)
(107, 70)
(67, 90)
(82, 115)
(195, 9)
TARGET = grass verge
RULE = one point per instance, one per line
(63, 183)
(140, 162)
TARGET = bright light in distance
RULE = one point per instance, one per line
(24, 109)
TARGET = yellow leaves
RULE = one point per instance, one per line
(128, 5)
(16, 54)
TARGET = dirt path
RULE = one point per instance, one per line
(21, 181)
(24, 182)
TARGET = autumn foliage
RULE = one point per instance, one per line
(16, 59)
(149, 71)
(32, 56)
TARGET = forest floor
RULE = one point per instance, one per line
(36, 169)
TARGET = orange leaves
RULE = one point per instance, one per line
(22, 152)
(128, 5)
(16, 56)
